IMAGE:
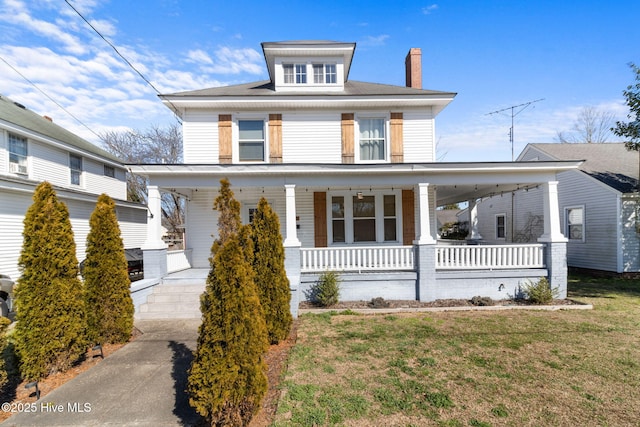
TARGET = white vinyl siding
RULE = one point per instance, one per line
(200, 136)
(311, 138)
(418, 137)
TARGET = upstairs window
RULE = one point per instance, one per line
(251, 141)
(75, 166)
(17, 154)
(575, 223)
(372, 142)
(324, 73)
(288, 73)
(109, 171)
(301, 73)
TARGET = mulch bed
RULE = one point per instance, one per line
(351, 305)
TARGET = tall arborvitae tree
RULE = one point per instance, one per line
(227, 379)
(271, 276)
(106, 278)
(51, 326)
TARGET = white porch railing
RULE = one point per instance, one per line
(178, 260)
(357, 258)
(488, 257)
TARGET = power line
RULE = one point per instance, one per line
(50, 98)
(121, 56)
(513, 114)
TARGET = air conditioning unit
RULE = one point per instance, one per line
(17, 168)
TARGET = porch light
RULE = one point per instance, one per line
(359, 194)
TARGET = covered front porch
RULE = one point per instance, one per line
(373, 223)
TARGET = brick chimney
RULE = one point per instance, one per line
(48, 118)
(413, 66)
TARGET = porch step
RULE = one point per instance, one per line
(177, 298)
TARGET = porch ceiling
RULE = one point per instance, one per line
(454, 182)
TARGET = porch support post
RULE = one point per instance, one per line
(425, 248)
(556, 243)
(154, 250)
(292, 249)
(474, 234)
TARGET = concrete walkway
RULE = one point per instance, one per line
(142, 384)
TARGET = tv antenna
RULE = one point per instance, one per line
(514, 113)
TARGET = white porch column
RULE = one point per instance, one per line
(292, 249)
(552, 231)
(292, 233)
(154, 220)
(474, 234)
(425, 237)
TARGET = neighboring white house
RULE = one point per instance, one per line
(34, 149)
(350, 169)
(598, 206)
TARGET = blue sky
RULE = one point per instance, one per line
(494, 54)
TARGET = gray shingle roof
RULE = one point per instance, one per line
(265, 88)
(25, 118)
(610, 163)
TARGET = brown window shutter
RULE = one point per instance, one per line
(347, 138)
(320, 219)
(275, 138)
(408, 217)
(224, 138)
(397, 144)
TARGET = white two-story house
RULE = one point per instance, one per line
(350, 168)
(34, 149)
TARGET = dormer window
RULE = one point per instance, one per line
(17, 154)
(324, 73)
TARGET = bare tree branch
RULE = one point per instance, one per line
(592, 126)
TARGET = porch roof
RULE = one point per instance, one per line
(454, 181)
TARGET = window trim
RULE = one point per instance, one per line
(379, 216)
(583, 224)
(387, 139)
(79, 171)
(504, 226)
(236, 138)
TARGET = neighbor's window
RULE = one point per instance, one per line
(17, 154)
(251, 140)
(372, 139)
(575, 223)
(501, 226)
(75, 165)
(109, 171)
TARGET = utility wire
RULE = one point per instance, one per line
(50, 98)
(122, 56)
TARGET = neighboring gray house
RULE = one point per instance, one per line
(34, 149)
(598, 207)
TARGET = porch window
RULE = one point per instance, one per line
(501, 226)
(75, 167)
(17, 154)
(575, 223)
(251, 141)
(364, 218)
(372, 140)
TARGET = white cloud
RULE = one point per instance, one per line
(428, 9)
(374, 40)
(199, 56)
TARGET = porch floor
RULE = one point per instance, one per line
(191, 273)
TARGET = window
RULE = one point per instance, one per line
(372, 140)
(17, 154)
(288, 73)
(364, 218)
(501, 226)
(109, 171)
(75, 165)
(301, 73)
(324, 73)
(251, 142)
(575, 223)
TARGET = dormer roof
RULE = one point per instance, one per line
(307, 49)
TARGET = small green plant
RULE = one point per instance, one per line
(327, 289)
(539, 292)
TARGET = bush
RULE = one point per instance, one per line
(107, 284)
(327, 290)
(271, 276)
(378, 302)
(481, 301)
(539, 292)
(4, 323)
(50, 311)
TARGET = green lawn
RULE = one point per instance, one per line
(514, 368)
